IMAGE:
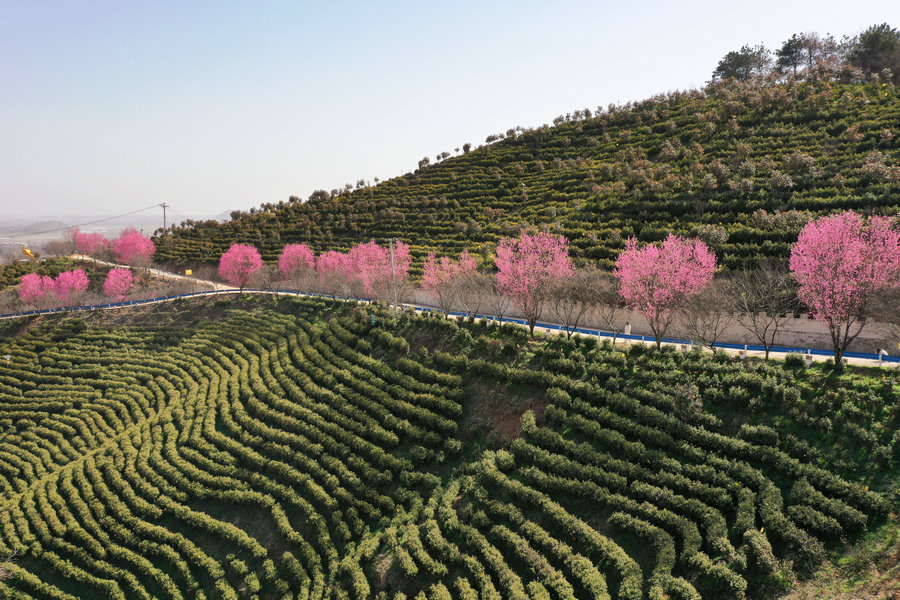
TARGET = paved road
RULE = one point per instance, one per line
(818, 354)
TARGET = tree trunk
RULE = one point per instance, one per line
(838, 360)
(658, 332)
(657, 335)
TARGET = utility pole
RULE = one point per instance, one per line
(164, 207)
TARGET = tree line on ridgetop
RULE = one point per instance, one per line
(873, 53)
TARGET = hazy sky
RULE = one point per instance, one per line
(107, 107)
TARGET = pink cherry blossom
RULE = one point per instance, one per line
(90, 243)
(370, 266)
(840, 261)
(133, 248)
(656, 280)
(238, 264)
(527, 269)
(297, 264)
(442, 277)
(70, 284)
(118, 283)
(333, 273)
(33, 288)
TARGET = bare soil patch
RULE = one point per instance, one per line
(495, 410)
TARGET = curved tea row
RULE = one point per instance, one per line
(270, 455)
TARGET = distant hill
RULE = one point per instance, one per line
(742, 165)
(8, 228)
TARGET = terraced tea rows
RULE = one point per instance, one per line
(272, 455)
(742, 166)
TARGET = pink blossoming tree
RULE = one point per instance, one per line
(370, 265)
(34, 288)
(657, 280)
(841, 263)
(333, 273)
(529, 267)
(444, 278)
(69, 285)
(90, 244)
(133, 248)
(467, 263)
(118, 283)
(238, 264)
(297, 264)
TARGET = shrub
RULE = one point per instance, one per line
(793, 359)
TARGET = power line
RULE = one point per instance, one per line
(82, 224)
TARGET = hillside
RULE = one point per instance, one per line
(741, 165)
(299, 448)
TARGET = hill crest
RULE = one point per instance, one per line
(741, 165)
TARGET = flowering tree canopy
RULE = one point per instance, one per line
(333, 271)
(69, 284)
(528, 268)
(840, 262)
(118, 283)
(238, 264)
(657, 280)
(133, 248)
(370, 265)
(89, 243)
(443, 278)
(297, 263)
(34, 287)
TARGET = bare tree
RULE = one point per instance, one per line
(608, 303)
(267, 278)
(57, 247)
(336, 284)
(474, 291)
(398, 291)
(301, 280)
(67, 242)
(571, 297)
(495, 302)
(885, 308)
(764, 301)
(706, 316)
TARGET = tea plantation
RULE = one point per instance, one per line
(292, 449)
(742, 165)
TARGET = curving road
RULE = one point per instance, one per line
(856, 358)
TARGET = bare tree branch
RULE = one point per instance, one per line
(608, 303)
(706, 316)
(764, 301)
(474, 291)
(571, 297)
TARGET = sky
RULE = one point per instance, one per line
(211, 106)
